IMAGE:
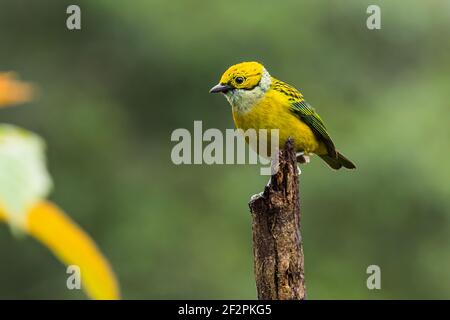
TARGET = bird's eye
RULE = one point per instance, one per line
(239, 80)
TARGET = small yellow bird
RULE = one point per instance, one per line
(259, 101)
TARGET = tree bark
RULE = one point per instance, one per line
(277, 242)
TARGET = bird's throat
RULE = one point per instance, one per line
(242, 101)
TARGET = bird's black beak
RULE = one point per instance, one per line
(220, 88)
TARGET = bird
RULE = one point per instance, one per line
(260, 101)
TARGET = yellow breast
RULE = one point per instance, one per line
(273, 112)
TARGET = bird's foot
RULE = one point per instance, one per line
(303, 158)
(256, 196)
(268, 182)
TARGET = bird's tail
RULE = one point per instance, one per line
(338, 162)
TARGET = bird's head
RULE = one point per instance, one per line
(243, 84)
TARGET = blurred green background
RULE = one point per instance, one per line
(112, 93)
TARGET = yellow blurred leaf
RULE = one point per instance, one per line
(70, 244)
(14, 91)
(51, 226)
(24, 184)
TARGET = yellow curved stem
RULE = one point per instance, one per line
(49, 225)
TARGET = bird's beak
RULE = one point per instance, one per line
(220, 88)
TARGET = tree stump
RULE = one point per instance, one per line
(277, 241)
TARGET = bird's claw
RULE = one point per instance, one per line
(303, 158)
(256, 196)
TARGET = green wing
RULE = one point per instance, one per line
(309, 116)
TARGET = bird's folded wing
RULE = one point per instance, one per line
(309, 116)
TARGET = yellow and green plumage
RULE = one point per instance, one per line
(259, 101)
